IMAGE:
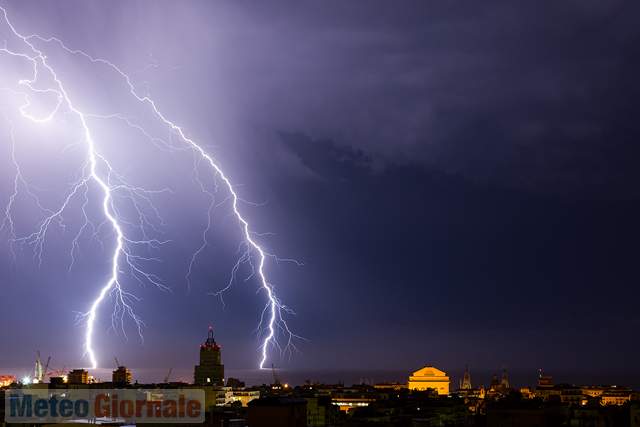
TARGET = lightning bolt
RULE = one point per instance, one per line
(97, 171)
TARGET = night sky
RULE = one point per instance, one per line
(459, 180)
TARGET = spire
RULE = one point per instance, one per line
(494, 383)
(210, 342)
(505, 379)
(466, 380)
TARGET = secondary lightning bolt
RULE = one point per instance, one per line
(273, 310)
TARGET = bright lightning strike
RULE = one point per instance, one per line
(98, 172)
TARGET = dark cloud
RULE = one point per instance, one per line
(325, 159)
(424, 252)
(540, 96)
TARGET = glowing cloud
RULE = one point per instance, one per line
(98, 172)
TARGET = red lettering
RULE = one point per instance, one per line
(114, 406)
(154, 408)
(102, 410)
(181, 406)
(139, 406)
(126, 409)
(170, 409)
(193, 409)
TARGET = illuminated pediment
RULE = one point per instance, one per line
(429, 371)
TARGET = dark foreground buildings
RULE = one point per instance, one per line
(278, 411)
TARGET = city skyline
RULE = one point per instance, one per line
(428, 394)
(456, 185)
(210, 371)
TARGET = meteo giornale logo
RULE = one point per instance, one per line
(140, 406)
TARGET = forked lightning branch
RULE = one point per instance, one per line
(128, 255)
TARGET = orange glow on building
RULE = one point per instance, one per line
(430, 378)
(7, 380)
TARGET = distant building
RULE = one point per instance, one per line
(7, 380)
(57, 381)
(121, 376)
(321, 412)
(430, 378)
(572, 395)
(544, 381)
(390, 386)
(215, 395)
(244, 396)
(465, 383)
(235, 383)
(78, 376)
(593, 391)
(615, 396)
(545, 389)
(494, 384)
(210, 371)
(504, 382)
(527, 393)
(499, 388)
(348, 401)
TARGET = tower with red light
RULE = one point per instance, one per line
(210, 371)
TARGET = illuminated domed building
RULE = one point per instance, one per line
(430, 378)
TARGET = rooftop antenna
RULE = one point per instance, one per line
(276, 380)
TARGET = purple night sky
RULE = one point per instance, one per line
(459, 180)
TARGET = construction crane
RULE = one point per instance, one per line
(117, 362)
(166, 378)
(58, 372)
(46, 366)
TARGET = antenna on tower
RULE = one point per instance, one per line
(276, 380)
